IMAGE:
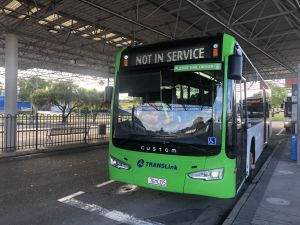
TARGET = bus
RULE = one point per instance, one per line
(187, 129)
(259, 111)
(287, 107)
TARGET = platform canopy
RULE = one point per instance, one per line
(82, 36)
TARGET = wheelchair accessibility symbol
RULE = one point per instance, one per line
(212, 141)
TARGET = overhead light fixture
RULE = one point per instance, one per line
(84, 27)
(50, 18)
(68, 23)
(13, 5)
(117, 39)
(53, 31)
(97, 31)
(30, 12)
(108, 35)
(126, 42)
(57, 27)
(42, 22)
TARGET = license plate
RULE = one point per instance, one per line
(157, 181)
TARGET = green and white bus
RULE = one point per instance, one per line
(185, 126)
(287, 113)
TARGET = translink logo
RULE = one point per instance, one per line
(140, 163)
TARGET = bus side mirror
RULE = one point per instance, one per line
(281, 105)
(108, 92)
(235, 67)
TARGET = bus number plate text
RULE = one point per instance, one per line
(157, 182)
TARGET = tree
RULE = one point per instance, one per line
(1, 88)
(94, 102)
(28, 85)
(278, 94)
(258, 94)
(40, 98)
(66, 96)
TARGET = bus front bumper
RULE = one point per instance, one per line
(174, 175)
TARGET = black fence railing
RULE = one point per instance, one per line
(43, 131)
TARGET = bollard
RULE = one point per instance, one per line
(294, 147)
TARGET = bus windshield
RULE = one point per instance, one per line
(256, 110)
(288, 109)
(168, 107)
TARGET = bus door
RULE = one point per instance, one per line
(241, 131)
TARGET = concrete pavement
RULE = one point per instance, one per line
(275, 199)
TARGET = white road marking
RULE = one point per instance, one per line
(105, 183)
(70, 196)
(113, 214)
(280, 131)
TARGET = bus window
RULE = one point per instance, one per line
(186, 106)
(288, 109)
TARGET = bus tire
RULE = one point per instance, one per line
(251, 162)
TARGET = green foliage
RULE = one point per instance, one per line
(66, 95)
(278, 94)
(258, 95)
(40, 98)
(2, 90)
(28, 85)
(278, 117)
(94, 100)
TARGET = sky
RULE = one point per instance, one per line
(85, 81)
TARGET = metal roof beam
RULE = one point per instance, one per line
(125, 18)
(239, 35)
(69, 28)
(287, 19)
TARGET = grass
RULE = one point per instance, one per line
(278, 117)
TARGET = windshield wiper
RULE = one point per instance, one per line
(162, 136)
(130, 137)
(187, 145)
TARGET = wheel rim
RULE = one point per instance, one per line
(251, 159)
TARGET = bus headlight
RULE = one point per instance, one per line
(118, 163)
(286, 122)
(214, 174)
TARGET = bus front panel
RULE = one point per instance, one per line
(173, 174)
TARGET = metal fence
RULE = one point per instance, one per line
(43, 131)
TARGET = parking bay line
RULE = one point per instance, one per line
(70, 196)
(105, 183)
(279, 133)
(110, 214)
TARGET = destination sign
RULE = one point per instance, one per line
(170, 55)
